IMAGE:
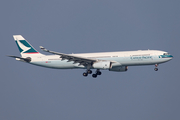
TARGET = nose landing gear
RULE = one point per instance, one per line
(156, 69)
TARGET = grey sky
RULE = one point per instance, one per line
(77, 26)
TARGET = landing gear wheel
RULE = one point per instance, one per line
(89, 71)
(156, 69)
(98, 73)
(94, 75)
(85, 74)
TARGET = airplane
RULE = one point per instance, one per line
(112, 61)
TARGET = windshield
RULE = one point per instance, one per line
(166, 54)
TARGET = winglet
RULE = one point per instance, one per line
(43, 49)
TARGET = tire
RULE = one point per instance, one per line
(94, 75)
(156, 69)
(85, 74)
(99, 73)
(89, 71)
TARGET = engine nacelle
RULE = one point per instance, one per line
(119, 69)
(102, 65)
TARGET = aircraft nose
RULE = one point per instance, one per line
(171, 56)
(167, 57)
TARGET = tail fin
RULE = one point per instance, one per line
(25, 48)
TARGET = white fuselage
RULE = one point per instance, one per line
(126, 58)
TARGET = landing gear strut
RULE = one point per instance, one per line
(156, 69)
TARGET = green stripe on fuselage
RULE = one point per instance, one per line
(165, 56)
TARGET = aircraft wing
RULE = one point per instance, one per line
(76, 59)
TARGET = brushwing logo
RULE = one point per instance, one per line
(23, 47)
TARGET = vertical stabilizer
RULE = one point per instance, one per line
(25, 48)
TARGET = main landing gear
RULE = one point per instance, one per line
(156, 69)
(98, 72)
(87, 72)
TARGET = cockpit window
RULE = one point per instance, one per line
(166, 54)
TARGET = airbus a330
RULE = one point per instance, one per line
(112, 61)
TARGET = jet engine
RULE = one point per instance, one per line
(102, 65)
(119, 69)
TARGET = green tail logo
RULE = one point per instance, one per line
(24, 46)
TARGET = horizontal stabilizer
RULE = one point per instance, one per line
(28, 59)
